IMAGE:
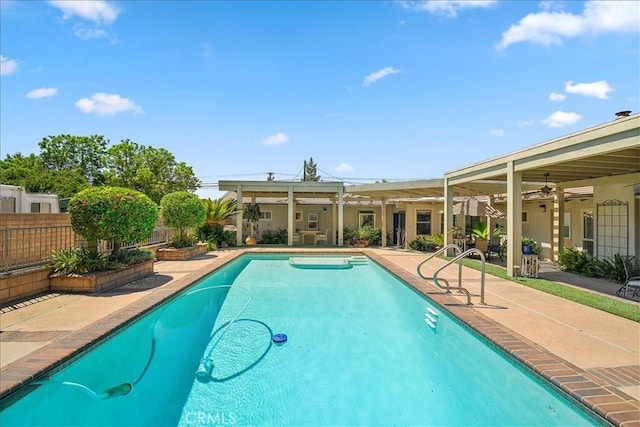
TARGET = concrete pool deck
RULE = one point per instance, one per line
(593, 355)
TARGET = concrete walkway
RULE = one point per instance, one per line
(605, 346)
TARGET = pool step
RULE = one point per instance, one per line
(431, 318)
(358, 259)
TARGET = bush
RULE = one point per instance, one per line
(114, 214)
(571, 259)
(185, 241)
(215, 235)
(182, 210)
(423, 243)
(66, 262)
(270, 237)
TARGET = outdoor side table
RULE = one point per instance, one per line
(530, 266)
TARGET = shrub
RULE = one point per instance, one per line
(423, 243)
(216, 235)
(571, 259)
(66, 262)
(182, 210)
(114, 214)
(271, 237)
(220, 209)
(185, 241)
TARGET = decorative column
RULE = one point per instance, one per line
(448, 212)
(239, 217)
(291, 216)
(383, 218)
(514, 218)
(334, 221)
(558, 223)
(340, 216)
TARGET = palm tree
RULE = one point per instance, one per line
(219, 210)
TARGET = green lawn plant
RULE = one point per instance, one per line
(218, 210)
(113, 214)
(182, 210)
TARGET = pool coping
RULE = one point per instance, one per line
(586, 389)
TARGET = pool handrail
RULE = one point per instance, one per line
(459, 258)
(438, 252)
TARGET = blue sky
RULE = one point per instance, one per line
(374, 90)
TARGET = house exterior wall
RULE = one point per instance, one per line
(20, 201)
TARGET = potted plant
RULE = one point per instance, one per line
(530, 246)
(252, 214)
(362, 236)
(181, 211)
(481, 234)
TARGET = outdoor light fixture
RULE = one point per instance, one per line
(543, 208)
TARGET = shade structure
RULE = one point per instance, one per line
(475, 207)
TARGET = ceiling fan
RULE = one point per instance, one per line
(546, 189)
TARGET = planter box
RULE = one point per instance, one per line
(172, 254)
(101, 280)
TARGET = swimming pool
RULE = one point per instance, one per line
(359, 352)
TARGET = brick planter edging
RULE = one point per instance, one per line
(181, 254)
(100, 281)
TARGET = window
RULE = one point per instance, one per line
(525, 216)
(587, 232)
(40, 207)
(312, 221)
(265, 215)
(423, 222)
(298, 216)
(566, 225)
(8, 204)
(366, 218)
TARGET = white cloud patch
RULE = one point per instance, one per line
(448, 8)
(525, 123)
(343, 167)
(43, 92)
(599, 89)
(105, 104)
(85, 33)
(497, 132)
(98, 11)
(276, 139)
(207, 51)
(557, 97)
(7, 66)
(374, 77)
(561, 118)
(552, 25)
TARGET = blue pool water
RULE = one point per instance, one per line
(358, 353)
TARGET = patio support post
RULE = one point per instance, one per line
(239, 217)
(290, 217)
(383, 218)
(514, 218)
(448, 212)
(489, 223)
(558, 223)
(340, 216)
(334, 212)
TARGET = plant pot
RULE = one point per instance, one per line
(251, 240)
(360, 243)
(527, 250)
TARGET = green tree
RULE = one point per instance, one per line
(181, 210)
(220, 209)
(153, 171)
(310, 171)
(114, 214)
(84, 155)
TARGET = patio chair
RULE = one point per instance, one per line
(632, 281)
(296, 239)
(322, 237)
(495, 247)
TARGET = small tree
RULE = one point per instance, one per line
(181, 210)
(114, 214)
(252, 214)
(218, 210)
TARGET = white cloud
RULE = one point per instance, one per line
(448, 8)
(44, 92)
(526, 123)
(98, 11)
(90, 33)
(7, 66)
(599, 89)
(551, 27)
(343, 167)
(497, 132)
(276, 139)
(105, 104)
(561, 118)
(374, 77)
(557, 97)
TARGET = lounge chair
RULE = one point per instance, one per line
(632, 281)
